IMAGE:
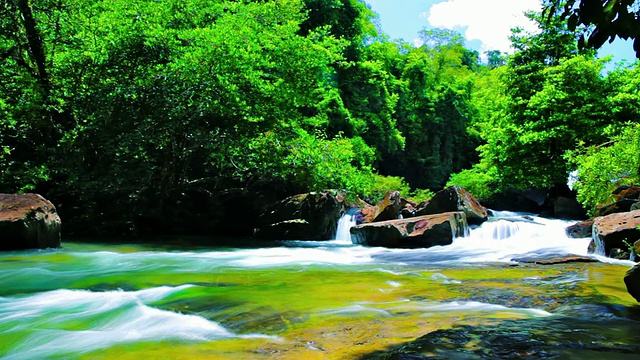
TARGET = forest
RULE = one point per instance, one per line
(124, 112)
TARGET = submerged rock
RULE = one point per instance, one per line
(417, 232)
(553, 259)
(28, 221)
(455, 198)
(310, 216)
(616, 231)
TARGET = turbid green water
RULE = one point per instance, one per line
(330, 300)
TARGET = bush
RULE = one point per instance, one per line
(480, 181)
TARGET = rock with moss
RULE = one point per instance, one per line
(28, 221)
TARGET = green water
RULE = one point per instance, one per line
(304, 301)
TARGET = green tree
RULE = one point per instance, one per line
(602, 168)
(598, 20)
(554, 99)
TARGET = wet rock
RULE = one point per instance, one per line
(632, 281)
(553, 259)
(455, 198)
(620, 206)
(619, 254)
(616, 231)
(310, 216)
(580, 229)
(28, 221)
(407, 208)
(417, 232)
(387, 209)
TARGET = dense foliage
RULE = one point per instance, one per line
(599, 20)
(121, 111)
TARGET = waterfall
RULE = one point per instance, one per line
(346, 222)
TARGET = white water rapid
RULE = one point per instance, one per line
(346, 222)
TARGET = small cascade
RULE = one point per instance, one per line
(505, 229)
(501, 229)
(599, 243)
(346, 222)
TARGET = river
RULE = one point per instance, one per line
(319, 300)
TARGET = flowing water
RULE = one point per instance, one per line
(319, 300)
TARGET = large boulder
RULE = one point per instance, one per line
(616, 231)
(417, 232)
(454, 198)
(632, 281)
(310, 216)
(28, 221)
(387, 209)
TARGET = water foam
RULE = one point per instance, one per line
(78, 321)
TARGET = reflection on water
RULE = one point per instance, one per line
(329, 300)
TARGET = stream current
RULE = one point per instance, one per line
(320, 300)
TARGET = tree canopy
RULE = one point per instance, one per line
(599, 21)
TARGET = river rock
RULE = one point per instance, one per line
(616, 231)
(28, 221)
(309, 216)
(407, 208)
(452, 199)
(387, 209)
(580, 229)
(620, 206)
(632, 281)
(417, 232)
(552, 259)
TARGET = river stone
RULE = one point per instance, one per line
(620, 206)
(309, 216)
(455, 198)
(616, 230)
(28, 221)
(580, 229)
(632, 281)
(417, 232)
(387, 209)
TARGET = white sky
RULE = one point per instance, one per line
(489, 21)
(485, 24)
